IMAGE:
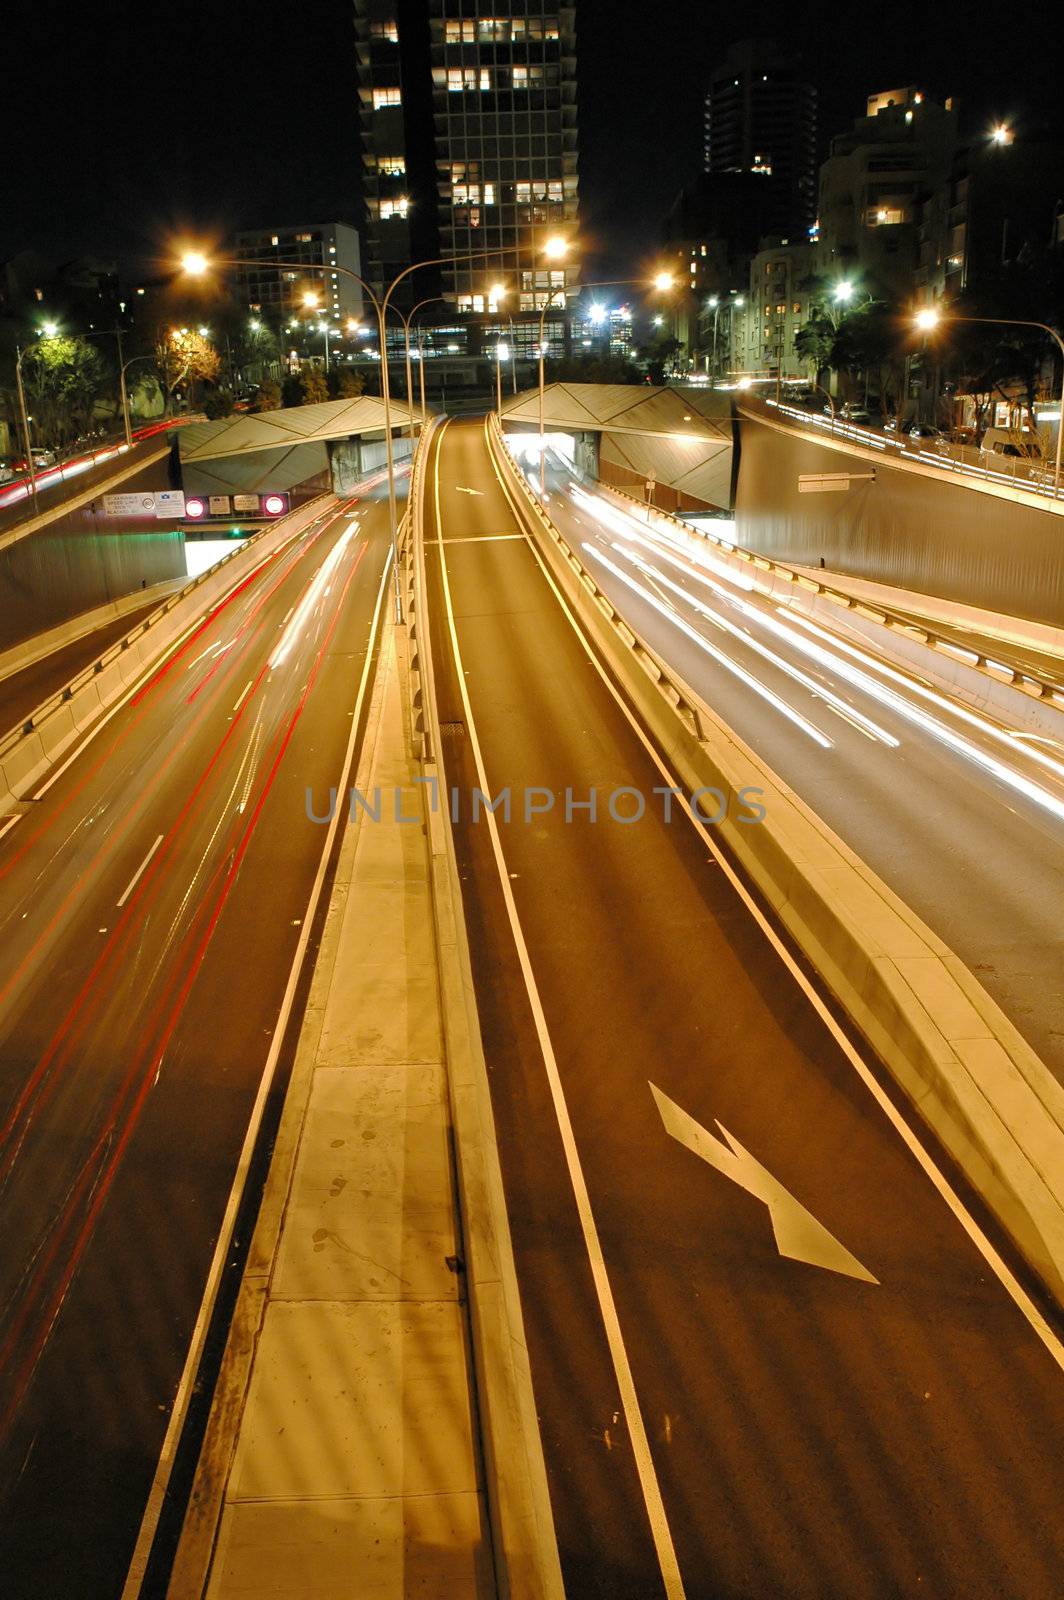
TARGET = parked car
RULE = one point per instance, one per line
(851, 412)
(7, 471)
(921, 430)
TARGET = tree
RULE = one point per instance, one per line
(814, 343)
(268, 397)
(313, 386)
(350, 384)
(63, 377)
(218, 403)
(185, 357)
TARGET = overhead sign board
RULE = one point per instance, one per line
(219, 505)
(246, 502)
(145, 503)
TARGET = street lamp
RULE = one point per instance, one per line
(929, 318)
(196, 264)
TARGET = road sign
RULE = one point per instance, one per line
(830, 482)
(246, 502)
(219, 505)
(797, 1232)
(146, 503)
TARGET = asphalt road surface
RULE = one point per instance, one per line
(877, 1413)
(962, 816)
(151, 902)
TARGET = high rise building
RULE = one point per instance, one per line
(761, 117)
(319, 247)
(468, 115)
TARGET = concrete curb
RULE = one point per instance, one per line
(38, 645)
(988, 1097)
(526, 1550)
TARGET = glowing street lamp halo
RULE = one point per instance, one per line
(927, 319)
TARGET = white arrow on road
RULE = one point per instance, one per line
(798, 1234)
(461, 489)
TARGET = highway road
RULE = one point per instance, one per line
(961, 815)
(875, 1413)
(152, 905)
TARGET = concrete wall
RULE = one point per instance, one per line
(81, 560)
(903, 529)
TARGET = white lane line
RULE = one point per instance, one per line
(724, 660)
(1000, 1268)
(135, 879)
(242, 695)
(9, 824)
(150, 1521)
(644, 1461)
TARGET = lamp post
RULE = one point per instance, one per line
(430, 300)
(929, 319)
(502, 353)
(196, 264)
(24, 417)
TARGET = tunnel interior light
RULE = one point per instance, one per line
(274, 505)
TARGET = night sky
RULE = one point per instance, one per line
(124, 124)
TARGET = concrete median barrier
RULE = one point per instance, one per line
(988, 1097)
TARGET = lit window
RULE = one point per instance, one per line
(796, 307)
(304, 238)
(461, 79)
(522, 77)
(274, 239)
(398, 206)
(387, 97)
(384, 30)
(459, 32)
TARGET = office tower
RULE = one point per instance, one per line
(468, 113)
(761, 118)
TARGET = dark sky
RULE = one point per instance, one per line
(125, 123)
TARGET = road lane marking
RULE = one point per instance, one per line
(1000, 1268)
(132, 884)
(9, 824)
(242, 694)
(659, 1526)
(479, 538)
(798, 1234)
(460, 488)
(179, 1411)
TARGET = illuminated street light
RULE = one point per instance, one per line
(194, 263)
(1001, 133)
(664, 280)
(598, 313)
(310, 299)
(49, 329)
(657, 321)
(928, 319)
(555, 248)
(843, 291)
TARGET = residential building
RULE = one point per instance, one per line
(874, 185)
(761, 118)
(999, 204)
(775, 307)
(320, 249)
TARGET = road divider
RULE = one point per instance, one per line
(983, 1090)
(523, 1537)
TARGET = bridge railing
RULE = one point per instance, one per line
(1037, 477)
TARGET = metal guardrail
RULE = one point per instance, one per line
(962, 459)
(1030, 683)
(62, 696)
